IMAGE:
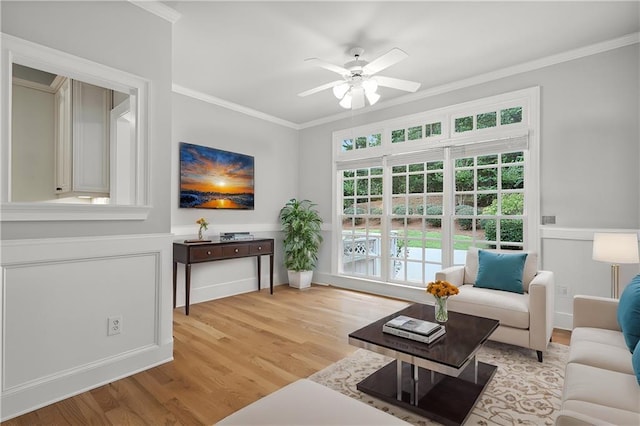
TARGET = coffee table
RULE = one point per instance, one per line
(442, 380)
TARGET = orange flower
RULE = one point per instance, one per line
(442, 289)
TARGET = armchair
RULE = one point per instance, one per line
(526, 319)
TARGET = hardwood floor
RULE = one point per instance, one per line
(229, 353)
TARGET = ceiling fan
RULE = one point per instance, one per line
(359, 80)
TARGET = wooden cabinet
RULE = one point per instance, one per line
(82, 140)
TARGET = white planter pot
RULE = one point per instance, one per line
(300, 279)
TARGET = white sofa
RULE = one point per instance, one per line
(526, 320)
(304, 402)
(600, 387)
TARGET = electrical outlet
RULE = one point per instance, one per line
(563, 291)
(115, 325)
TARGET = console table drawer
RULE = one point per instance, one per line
(203, 254)
(263, 247)
(233, 251)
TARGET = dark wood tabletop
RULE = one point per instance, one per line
(464, 335)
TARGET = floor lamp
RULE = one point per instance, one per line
(615, 248)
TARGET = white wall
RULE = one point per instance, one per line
(62, 280)
(275, 151)
(590, 145)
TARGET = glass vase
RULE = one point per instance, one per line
(200, 236)
(442, 315)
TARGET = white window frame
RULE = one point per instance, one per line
(529, 127)
(23, 52)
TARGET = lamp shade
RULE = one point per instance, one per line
(615, 248)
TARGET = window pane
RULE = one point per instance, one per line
(434, 165)
(486, 120)
(347, 145)
(376, 207)
(361, 142)
(416, 184)
(464, 162)
(348, 187)
(348, 173)
(399, 169)
(415, 133)
(397, 136)
(434, 182)
(513, 204)
(487, 179)
(464, 180)
(513, 157)
(418, 167)
(399, 184)
(486, 200)
(362, 172)
(376, 170)
(487, 159)
(362, 187)
(511, 115)
(432, 129)
(513, 177)
(346, 204)
(511, 230)
(376, 186)
(375, 140)
(463, 124)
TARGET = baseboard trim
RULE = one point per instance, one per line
(29, 398)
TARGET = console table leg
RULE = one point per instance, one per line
(175, 282)
(399, 380)
(271, 272)
(187, 286)
(259, 273)
(414, 369)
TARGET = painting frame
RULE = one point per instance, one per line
(213, 178)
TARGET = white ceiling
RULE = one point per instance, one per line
(252, 53)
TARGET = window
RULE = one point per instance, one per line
(410, 210)
(129, 177)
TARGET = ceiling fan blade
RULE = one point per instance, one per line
(392, 57)
(357, 101)
(328, 66)
(320, 88)
(396, 83)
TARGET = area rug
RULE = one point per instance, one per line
(522, 392)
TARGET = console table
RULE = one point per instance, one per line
(198, 252)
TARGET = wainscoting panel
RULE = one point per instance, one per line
(568, 253)
(57, 297)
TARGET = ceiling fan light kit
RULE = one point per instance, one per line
(358, 78)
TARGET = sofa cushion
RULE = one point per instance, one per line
(597, 414)
(600, 355)
(500, 271)
(600, 335)
(606, 388)
(511, 309)
(471, 266)
(629, 313)
(635, 359)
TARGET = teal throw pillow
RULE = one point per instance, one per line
(500, 271)
(635, 360)
(629, 313)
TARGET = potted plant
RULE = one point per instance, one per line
(302, 237)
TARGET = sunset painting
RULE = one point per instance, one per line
(214, 179)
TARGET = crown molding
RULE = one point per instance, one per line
(559, 58)
(232, 106)
(157, 8)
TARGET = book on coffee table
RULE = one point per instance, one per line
(414, 329)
